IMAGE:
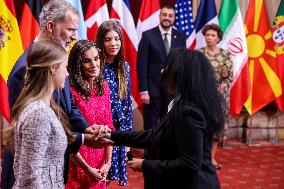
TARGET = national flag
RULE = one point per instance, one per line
(82, 30)
(148, 16)
(265, 84)
(184, 21)
(206, 14)
(10, 50)
(234, 40)
(29, 22)
(96, 14)
(120, 11)
(278, 37)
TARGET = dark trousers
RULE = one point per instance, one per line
(7, 178)
(151, 116)
(151, 113)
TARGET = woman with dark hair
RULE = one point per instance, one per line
(39, 127)
(117, 73)
(89, 167)
(180, 147)
(223, 66)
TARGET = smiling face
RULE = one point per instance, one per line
(112, 44)
(167, 18)
(91, 63)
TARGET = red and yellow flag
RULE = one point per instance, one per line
(264, 81)
(10, 50)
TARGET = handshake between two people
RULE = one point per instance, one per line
(100, 136)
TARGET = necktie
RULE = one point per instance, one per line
(166, 43)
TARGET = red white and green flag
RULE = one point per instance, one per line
(234, 40)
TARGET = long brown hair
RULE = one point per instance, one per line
(103, 29)
(77, 77)
(40, 57)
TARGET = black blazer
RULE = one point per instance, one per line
(151, 58)
(180, 155)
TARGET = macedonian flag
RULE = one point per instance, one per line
(265, 85)
(10, 50)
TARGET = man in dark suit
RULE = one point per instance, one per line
(152, 52)
(59, 22)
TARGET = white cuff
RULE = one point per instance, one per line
(83, 138)
(143, 92)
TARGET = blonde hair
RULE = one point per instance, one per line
(40, 57)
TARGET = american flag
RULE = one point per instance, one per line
(184, 21)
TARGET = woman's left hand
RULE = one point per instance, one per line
(104, 171)
(136, 164)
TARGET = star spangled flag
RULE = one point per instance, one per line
(206, 14)
(184, 21)
(82, 31)
(148, 17)
(96, 14)
(120, 11)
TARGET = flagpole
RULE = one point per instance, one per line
(276, 127)
(248, 142)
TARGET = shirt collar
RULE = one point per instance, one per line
(164, 31)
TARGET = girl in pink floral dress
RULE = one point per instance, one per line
(89, 168)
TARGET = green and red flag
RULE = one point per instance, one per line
(278, 37)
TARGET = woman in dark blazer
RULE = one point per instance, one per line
(180, 155)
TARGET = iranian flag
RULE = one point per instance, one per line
(234, 41)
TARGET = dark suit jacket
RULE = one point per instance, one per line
(77, 121)
(180, 152)
(151, 58)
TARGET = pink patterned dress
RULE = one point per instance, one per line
(96, 111)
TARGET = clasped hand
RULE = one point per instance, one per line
(94, 136)
(100, 175)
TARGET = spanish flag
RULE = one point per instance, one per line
(265, 85)
(10, 50)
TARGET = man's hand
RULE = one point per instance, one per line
(93, 141)
(145, 98)
(136, 164)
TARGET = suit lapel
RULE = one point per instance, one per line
(173, 39)
(163, 121)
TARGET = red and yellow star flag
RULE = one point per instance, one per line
(265, 84)
(10, 50)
